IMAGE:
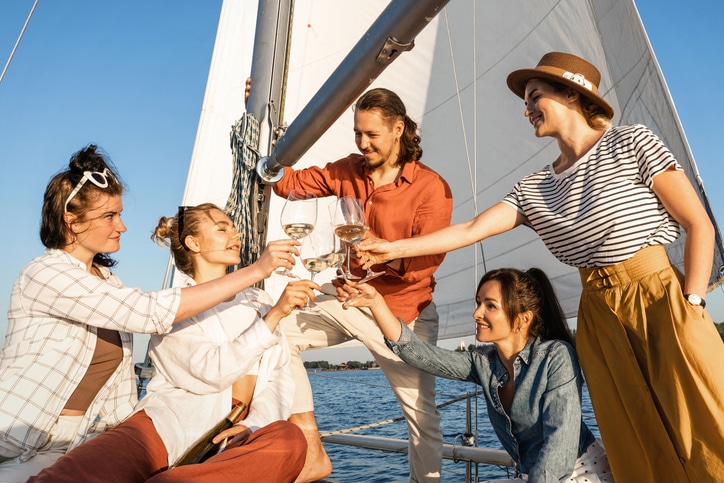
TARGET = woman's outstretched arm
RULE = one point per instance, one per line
(203, 296)
(497, 219)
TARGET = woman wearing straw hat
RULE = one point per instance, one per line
(607, 204)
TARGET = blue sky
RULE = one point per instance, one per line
(130, 76)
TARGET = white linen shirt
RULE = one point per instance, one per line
(199, 360)
(55, 307)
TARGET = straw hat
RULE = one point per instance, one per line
(566, 69)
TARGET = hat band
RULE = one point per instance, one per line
(579, 79)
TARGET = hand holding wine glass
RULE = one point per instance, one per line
(373, 251)
(356, 294)
(298, 218)
(276, 255)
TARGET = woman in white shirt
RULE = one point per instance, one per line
(233, 352)
(66, 370)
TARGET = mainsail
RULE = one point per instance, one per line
(453, 83)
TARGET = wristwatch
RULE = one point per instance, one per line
(694, 299)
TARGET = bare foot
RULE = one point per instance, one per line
(317, 465)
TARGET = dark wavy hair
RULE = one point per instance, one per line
(531, 291)
(54, 231)
(392, 109)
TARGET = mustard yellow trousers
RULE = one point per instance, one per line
(655, 371)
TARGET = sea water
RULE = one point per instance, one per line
(352, 399)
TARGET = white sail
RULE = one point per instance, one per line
(210, 171)
(453, 83)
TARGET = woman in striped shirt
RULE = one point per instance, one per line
(607, 204)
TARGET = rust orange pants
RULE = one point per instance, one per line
(134, 452)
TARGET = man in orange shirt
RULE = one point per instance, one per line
(402, 198)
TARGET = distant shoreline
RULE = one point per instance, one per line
(339, 369)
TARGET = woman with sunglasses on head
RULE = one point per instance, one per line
(234, 353)
(527, 368)
(66, 370)
(608, 204)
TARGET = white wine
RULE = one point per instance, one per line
(335, 259)
(298, 230)
(350, 233)
(204, 447)
(315, 265)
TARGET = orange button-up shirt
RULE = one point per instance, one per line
(418, 202)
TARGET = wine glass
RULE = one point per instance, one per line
(298, 218)
(339, 253)
(350, 226)
(315, 255)
(349, 216)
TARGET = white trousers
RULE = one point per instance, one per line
(414, 389)
(63, 432)
(591, 467)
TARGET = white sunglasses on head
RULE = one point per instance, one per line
(99, 179)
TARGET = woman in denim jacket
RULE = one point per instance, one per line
(538, 417)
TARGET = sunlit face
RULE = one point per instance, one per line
(376, 138)
(544, 107)
(492, 324)
(101, 228)
(217, 242)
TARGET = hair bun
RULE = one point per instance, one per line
(87, 159)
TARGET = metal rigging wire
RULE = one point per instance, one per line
(17, 42)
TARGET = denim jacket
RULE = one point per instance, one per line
(545, 432)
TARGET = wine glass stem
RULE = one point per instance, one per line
(349, 252)
(308, 303)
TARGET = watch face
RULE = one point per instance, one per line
(693, 299)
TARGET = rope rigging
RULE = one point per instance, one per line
(245, 185)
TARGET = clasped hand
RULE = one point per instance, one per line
(278, 254)
(372, 250)
(238, 432)
(295, 295)
(353, 294)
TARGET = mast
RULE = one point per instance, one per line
(390, 35)
(270, 63)
(269, 67)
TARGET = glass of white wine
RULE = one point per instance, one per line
(337, 257)
(349, 226)
(315, 254)
(298, 218)
(349, 218)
